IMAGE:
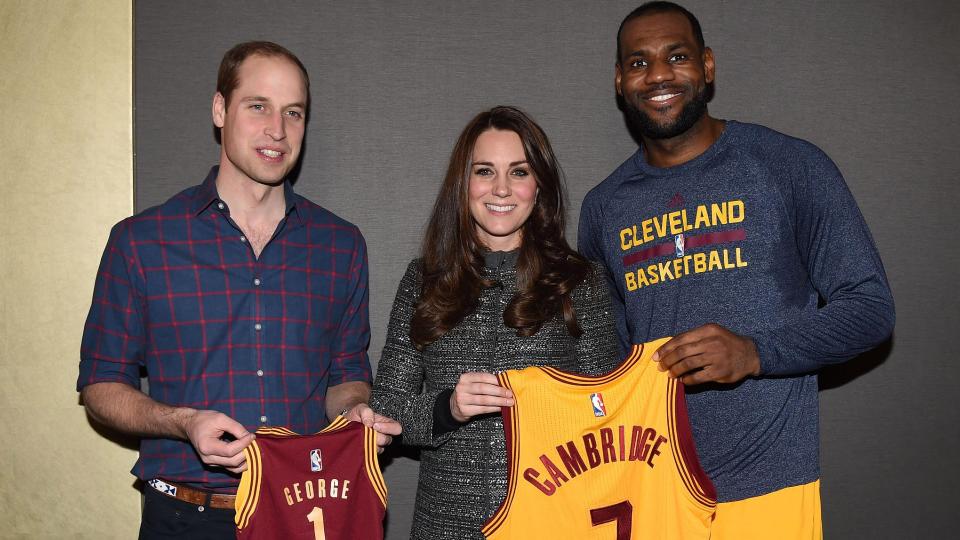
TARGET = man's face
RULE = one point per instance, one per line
(662, 74)
(263, 125)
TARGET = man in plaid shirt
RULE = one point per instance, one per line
(245, 304)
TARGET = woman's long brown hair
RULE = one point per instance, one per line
(547, 268)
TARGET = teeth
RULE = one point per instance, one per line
(498, 208)
(663, 97)
(269, 153)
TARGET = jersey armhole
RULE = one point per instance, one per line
(248, 492)
(510, 435)
(371, 462)
(694, 478)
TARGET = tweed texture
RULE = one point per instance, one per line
(463, 474)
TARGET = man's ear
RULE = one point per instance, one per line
(219, 109)
(616, 80)
(709, 67)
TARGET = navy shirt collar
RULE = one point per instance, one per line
(206, 194)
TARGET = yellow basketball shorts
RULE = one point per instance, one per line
(791, 513)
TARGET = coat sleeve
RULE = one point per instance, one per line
(597, 348)
(398, 386)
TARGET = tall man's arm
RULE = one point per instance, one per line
(126, 409)
(844, 267)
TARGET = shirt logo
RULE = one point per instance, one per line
(316, 463)
(599, 409)
(678, 243)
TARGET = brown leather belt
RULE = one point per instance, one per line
(195, 496)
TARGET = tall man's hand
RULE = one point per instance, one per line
(387, 428)
(710, 353)
(205, 430)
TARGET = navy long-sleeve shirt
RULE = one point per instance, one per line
(749, 235)
(181, 294)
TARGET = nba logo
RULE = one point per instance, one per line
(678, 243)
(316, 464)
(599, 409)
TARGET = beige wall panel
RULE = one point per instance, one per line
(66, 95)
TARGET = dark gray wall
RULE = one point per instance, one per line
(873, 83)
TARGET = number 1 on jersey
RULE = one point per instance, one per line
(622, 513)
(316, 517)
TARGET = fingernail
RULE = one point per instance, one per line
(656, 356)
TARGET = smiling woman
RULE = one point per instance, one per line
(502, 189)
(497, 288)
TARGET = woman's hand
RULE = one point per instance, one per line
(476, 394)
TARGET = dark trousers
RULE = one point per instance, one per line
(165, 517)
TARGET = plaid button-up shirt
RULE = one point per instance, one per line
(181, 295)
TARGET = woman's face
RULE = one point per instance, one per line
(502, 189)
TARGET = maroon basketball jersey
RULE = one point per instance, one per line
(325, 486)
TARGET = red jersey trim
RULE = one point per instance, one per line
(685, 451)
(577, 379)
(513, 458)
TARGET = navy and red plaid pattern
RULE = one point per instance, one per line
(180, 293)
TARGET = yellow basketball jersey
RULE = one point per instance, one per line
(608, 457)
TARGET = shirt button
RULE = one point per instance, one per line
(200, 509)
(258, 327)
(256, 281)
(243, 239)
(220, 206)
(259, 373)
(263, 419)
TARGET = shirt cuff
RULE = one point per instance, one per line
(443, 420)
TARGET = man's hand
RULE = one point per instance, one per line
(710, 353)
(204, 430)
(387, 428)
(129, 410)
(476, 394)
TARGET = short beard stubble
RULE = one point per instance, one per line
(648, 127)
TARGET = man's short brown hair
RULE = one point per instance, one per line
(227, 77)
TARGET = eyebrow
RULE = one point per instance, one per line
(255, 99)
(670, 48)
(490, 164)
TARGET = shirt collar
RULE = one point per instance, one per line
(206, 195)
(497, 260)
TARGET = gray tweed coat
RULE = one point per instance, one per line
(463, 474)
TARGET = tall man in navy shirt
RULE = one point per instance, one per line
(723, 235)
(245, 303)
